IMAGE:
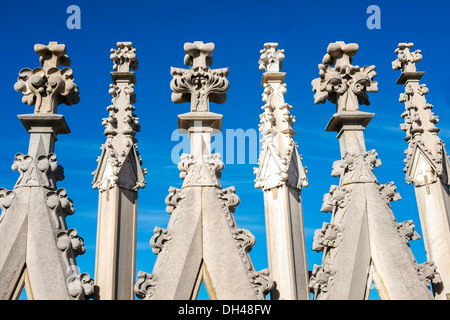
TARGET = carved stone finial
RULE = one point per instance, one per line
(52, 55)
(271, 58)
(124, 57)
(406, 60)
(199, 84)
(198, 54)
(341, 82)
(424, 156)
(48, 87)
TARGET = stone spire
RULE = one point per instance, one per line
(202, 241)
(427, 165)
(363, 243)
(281, 176)
(38, 249)
(118, 177)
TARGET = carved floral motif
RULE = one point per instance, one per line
(428, 274)
(407, 232)
(338, 197)
(61, 207)
(71, 246)
(173, 198)
(145, 286)
(244, 241)
(120, 163)
(124, 57)
(271, 58)
(160, 238)
(342, 83)
(388, 192)
(354, 168)
(44, 171)
(261, 282)
(199, 84)
(329, 236)
(81, 286)
(48, 87)
(322, 279)
(201, 170)
(406, 60)
(6, 199)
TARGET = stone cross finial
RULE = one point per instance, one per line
(406, 60)
(271, 58)
(52, 55)
(49, 86)
(124, 57)
(199, 84)
(341, 82)
(198, 54)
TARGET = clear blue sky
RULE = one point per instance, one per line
(158, 29)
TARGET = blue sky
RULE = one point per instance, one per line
(158, 29)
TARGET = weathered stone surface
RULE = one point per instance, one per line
(281, 176)
(427, 165)
(118, 178)
(371, 249)
(38, 250)
(202, 241)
